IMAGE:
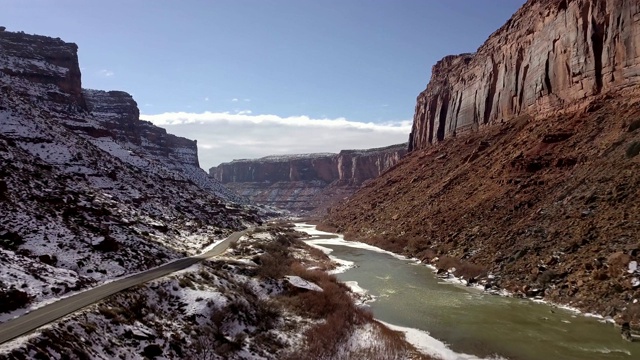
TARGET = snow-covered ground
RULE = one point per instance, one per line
(219, 309)
(86, 197)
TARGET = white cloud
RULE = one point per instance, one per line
(234, 99)
(225, 136)
(247, 100)
(106, 73)
(206, 99)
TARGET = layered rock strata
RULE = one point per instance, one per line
(305, 182)
(543, 204)
(549, 55)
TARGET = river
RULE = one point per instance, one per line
(472, 323)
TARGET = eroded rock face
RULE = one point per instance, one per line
(43, 60)
(549, 55)
(304, 167)
(308, 181)
(543, 203)
(88, 191)
(119, 114)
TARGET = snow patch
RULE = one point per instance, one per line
(432, 346)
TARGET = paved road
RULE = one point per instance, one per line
(49, 313)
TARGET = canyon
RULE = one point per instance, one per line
(88, 191)
(521, 174)
(306, 183)
(523, 170)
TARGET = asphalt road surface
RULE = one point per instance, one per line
(49, 313)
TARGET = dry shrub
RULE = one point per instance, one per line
(323, 340)
(109, 312)
(635, 125)
(469, 270)
(13, 299)
(185, 282)
(447, 262)
(327, 227)
(319, 305)
(276, 259)
(632, 315)
(272, 266)
(333, 305)
(416, 245)
(427, 255)
(316, 253)
(315, 276)
(388, 242)
(464, 269)
(394, 340)
(388, 345)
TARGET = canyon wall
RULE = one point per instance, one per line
(45, 73)
(119, 115)
(88, 191)
(307, 181)
(543, 203)
(549, 55)
(50, 62)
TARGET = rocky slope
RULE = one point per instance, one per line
(259, 301)
(305, 182)
(89, 192)
(544, 203)
(550, 54)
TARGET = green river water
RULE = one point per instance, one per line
(470, 321)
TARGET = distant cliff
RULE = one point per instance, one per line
(548, 55)
(305, 182)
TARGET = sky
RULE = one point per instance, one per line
(250, 78)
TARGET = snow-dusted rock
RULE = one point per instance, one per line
(301, 283)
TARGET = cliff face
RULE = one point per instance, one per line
(43, 60)
(305, 167)
(305, 182)
(544, 204)
(88, 192)
(118, 113)
(549, 55)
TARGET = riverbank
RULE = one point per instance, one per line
(478, 321)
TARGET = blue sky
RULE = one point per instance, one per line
(249, 78)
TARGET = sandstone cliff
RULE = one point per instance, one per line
(305, 182)
(549, 55)
(544, 204)
(119, 114)
(52, 63)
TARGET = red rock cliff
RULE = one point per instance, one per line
(549, 55)
(305, 182)
(43, 60)
(546, 203)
